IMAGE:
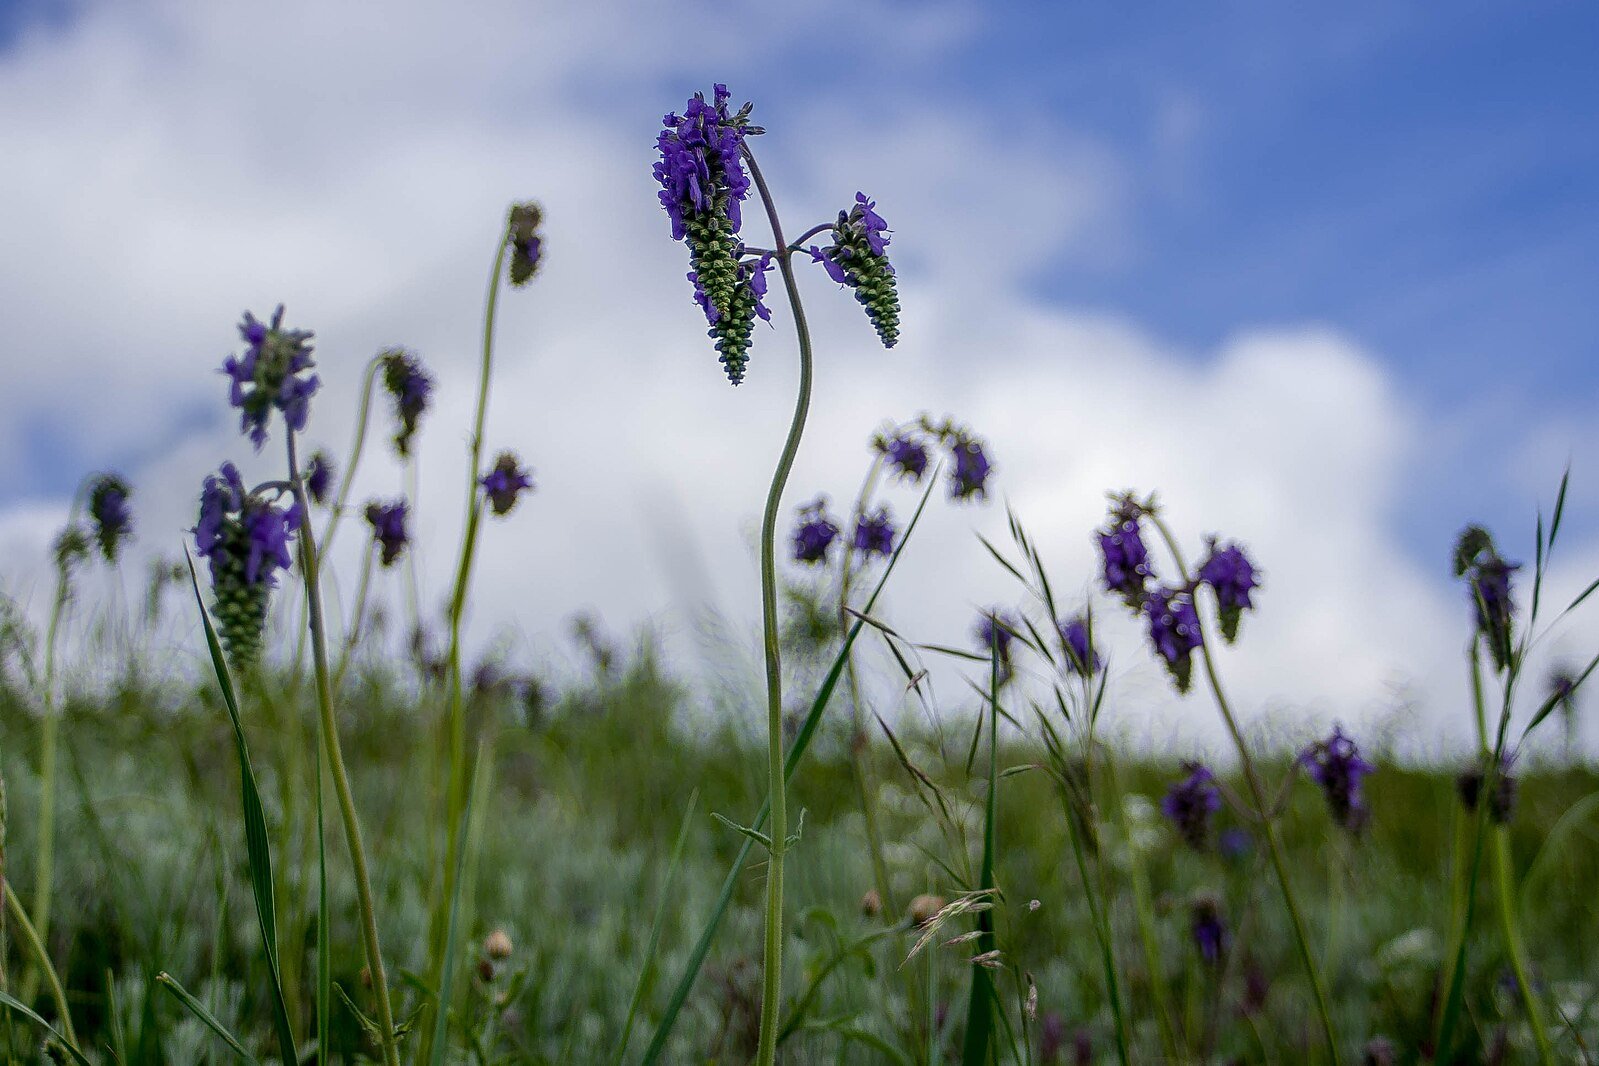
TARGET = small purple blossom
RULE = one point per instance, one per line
(1081, 658)
(874, 533)
(526, 243)
(109, 514)
(1126, 569)
(1191, 804)
(388, 528)
(1235, 843)
(245, 539)
(968, 478)
(1487, 575)
(1232, 577)
(505, 482)
(906, 455)
(1208, 927)
(319, 477)
(1174, 631)
(1335, 764)
(271, 373)
(815, 533)
(995, 631)
(411, 388)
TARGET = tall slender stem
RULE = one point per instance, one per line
(1268, 822)
(771, 990)
(30, 936)
(310, 565)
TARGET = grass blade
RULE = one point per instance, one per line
(27, 1012)
(452, 932)
(796, 752)
(199, 1010)
(647, 972)
(980, 1007)
(255, 834)
(324, 947)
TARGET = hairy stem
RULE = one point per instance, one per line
(772, 976)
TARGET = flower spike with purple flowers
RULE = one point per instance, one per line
(411, 387)
(995, 631)
(1232, 577)
(1487, 575)
(703, 185)
(815, 533)
(525, 241)
(1209, 929)
(1076, 639)
(874, 533)
(388, 528)
(1191, 804)
(1335, 764)
(1174, 631)
(271, 373)
(858, 258)
(109, 514)
(319, 474)
(906, 454)
(1121, 545)
(968, 477)
(505, 482)
(245, 539)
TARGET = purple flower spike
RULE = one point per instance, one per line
(1081, 658)
(1209, 930)
(815, 533)
(110, 515)
(1191, 804)
(996, 630)
(319, 477)
(1232, 577)
(245, 539)
(411, 388)
(505, 482)
(858, 258)
(272, 372)
(906, 455)
(1335, 764)
(874, 533)
(1121, 545)
(388, 528)
(525, 242)
(969, 477)
(1174, 631)
(1487, 576)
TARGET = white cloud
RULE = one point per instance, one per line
(169, 165)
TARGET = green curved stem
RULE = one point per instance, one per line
(341, 778)
(771, 989)
(31, 937)
(1503, 878)
(1268, 822)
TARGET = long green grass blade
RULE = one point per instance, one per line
(199, 1010)
(980, 1007)
(324, 947)
(27, 1012)
(796, 752)
(452, 931)
(646, 973)
(255, 834)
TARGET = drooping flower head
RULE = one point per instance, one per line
(245, 539)
(1208, 926)
(995, 631)
(1230, 574)
(1121, 545)
(1076, 639)
(968, 477)
(110, 515)
(388, 528)
(1487, 576)
(411, 388)
(525, 242)
(1335, 764)
(505, 482)
(858, 258)
(1174, 631)
(319, 473)
(815, 532)
(905, 454)
(874, 533)
(1191, 804)
(272, 372)
(703, 185)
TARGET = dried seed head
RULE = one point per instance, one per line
(497, 945)
(871, 904)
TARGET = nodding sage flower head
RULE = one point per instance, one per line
(1191, 804)
(110, 515)
(246, 541)
(525, 241)
(1081, 658)
(505, 482)
(1174, 631)
(271, 373)
(388, 528)
(1487, 576)
(994, 632)
(815, 533)
(1232, 577)
(906, 454)
(1335, 764)
(858, 258)
(703, 185)
(874, 533)
(319, 477)
(411, 387)
(1121, 545)
(968, 477)
(1208, 927)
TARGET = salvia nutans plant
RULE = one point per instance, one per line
(1015, 889)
